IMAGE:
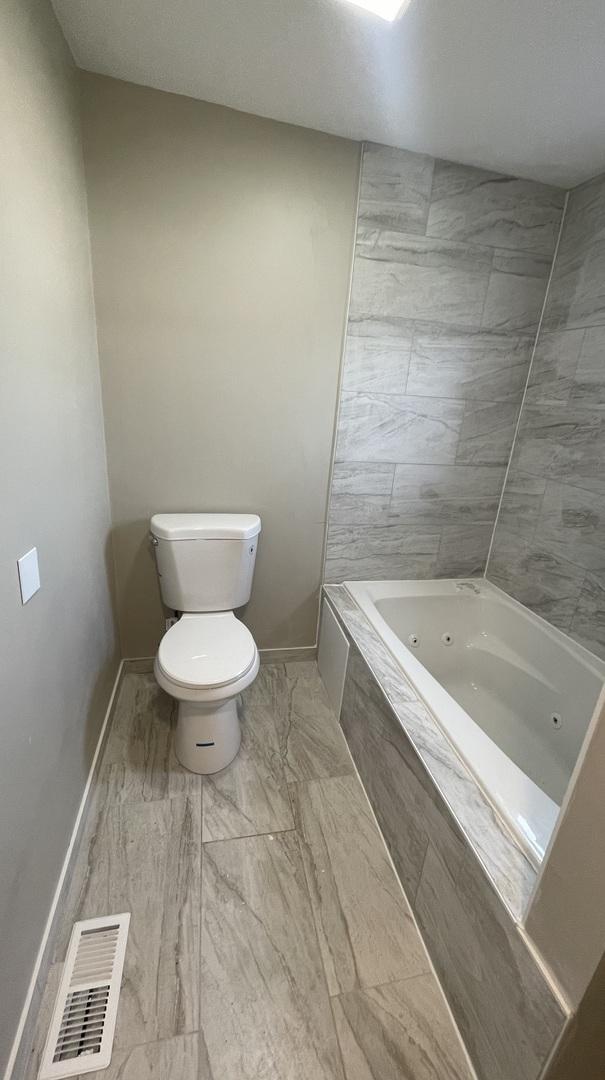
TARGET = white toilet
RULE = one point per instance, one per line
(205, 565)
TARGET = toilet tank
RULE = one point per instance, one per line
(205, 562)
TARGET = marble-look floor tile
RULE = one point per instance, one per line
(145, 858)
(366, 932)
(311, 742)
(487, 433)
(265, 1012)
(395, 188)
(250, 796)
(376, 365)
(589, 382)
(576, 297)
(362, 478)
(399, 1032)
(414, 277)
(508, 1016)
(139, 763)
(181, 1058)
(478, 367)
(394, 427)
(487, 208)
(516, 291)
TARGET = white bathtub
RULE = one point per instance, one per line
(513, 694)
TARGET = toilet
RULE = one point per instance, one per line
(205, 565)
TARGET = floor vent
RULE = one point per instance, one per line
(80, 1036)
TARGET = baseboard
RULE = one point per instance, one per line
(24, 1035)
(140, 665)
(287, 656)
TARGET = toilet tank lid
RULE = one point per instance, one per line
(205, 526)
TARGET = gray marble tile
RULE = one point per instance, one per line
(395, 427)
(542, 581)
(521, 503)
(139, 763)
(395, 188)
(559, 442)
(181, 1058)
(503, 860)
(362, 478)
(445, 494)
(310, 740)
(399, 1032)
(487, 433)
(145, 858)
(577, 292)
(506, 1012)
(588, 623)
(265, 1011)
(413, 277)
(571, 525)
(554, 367)
(589, 384)
(393, 777)
(488, 208)
(516, 291)
(365, 929)
(363, 552)
(359, 509)
(376, 365)
(27, 1064)
(250, 796)
(463, 549)
(479, 366)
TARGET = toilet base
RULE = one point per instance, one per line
(208, 736)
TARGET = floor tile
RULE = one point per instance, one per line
(172, 1059)
(311, 742)
(399, 1032)
(265, 1011)
(145, 858)
(139, 763)
(366, 932)
(250, 796)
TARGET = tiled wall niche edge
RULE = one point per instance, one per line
(506, 1011)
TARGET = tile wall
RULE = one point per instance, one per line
(450, 271)
(549, 545)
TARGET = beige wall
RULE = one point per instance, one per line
(56, 653)
(222, 247)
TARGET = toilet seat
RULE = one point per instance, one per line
(206, 652)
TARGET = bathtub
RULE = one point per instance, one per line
(513, 694)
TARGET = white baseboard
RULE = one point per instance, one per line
(60, 883)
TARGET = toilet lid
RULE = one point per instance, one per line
(207, 650)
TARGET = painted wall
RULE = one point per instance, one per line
(221, 250)
(451, 265)
(549, 547)
(57, 655)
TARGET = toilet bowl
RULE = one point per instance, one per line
(205, 661)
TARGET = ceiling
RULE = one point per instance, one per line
(512, 85)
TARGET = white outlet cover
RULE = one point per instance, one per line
(29, 574)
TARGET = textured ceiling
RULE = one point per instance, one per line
(513, 85)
